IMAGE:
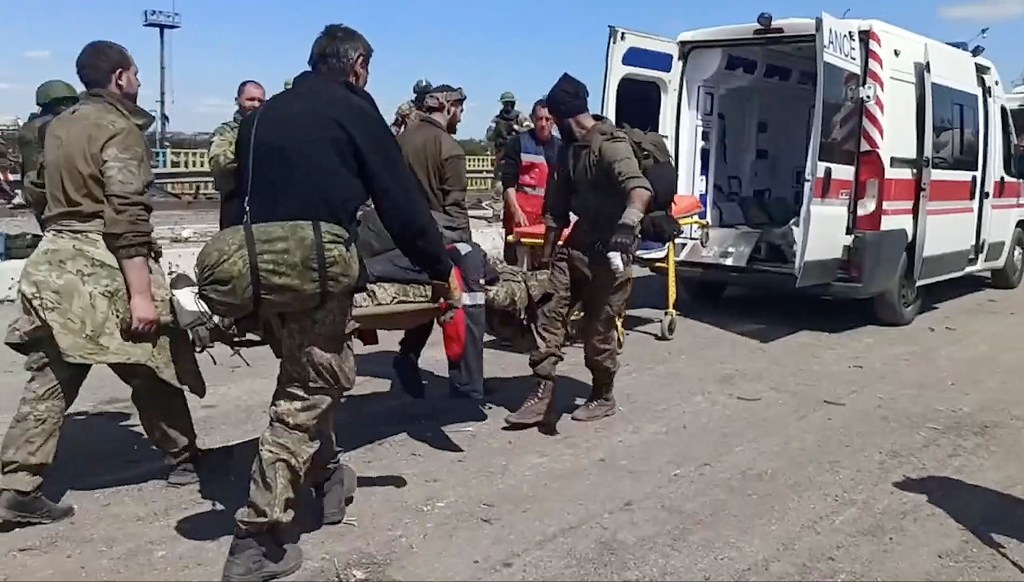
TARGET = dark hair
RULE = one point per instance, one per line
(98, 62)
(337, 49)
(246, 83)
(538, 104)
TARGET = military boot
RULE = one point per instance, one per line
(538, 408)
(407, 374)
(599, 404)
(184, 471)
(31, 508)
(260, 557)
(337, 493)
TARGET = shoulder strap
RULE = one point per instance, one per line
(248, 175)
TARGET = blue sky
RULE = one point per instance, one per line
(485, 47)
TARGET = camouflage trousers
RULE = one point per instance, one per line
(576, 279)
(30, 444)
(317, 365)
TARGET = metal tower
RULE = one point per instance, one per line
(162, 21)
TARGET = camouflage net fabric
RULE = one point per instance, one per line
(288, 269)
(383, 294)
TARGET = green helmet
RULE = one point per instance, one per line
(507, 97)
(53, 90)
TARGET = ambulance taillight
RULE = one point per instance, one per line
(870, 182)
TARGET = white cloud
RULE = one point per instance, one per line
(37, 54)
(6, 86)
(983, 10)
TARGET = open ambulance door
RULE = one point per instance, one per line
(832, 155)
(642, 75)
(923, 171)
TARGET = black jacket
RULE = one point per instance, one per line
(319, 151)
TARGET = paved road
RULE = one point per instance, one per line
(775, 438)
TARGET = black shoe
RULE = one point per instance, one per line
(407, 374)
(260, 557)
(31, 508)
(337, 493)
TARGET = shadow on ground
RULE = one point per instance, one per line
(766, 316)
(100, 450)
(982, 511)
(362, 420)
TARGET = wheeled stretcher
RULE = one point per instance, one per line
(529, 241)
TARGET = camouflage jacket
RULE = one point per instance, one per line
(222, 155)
(72, 294)
(6, 163)
(406, 115)
(30, 143)
(97, 171)
(596, 174)
(502, 128)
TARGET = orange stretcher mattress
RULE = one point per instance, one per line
(683, 206)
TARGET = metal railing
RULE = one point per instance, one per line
(196, 165)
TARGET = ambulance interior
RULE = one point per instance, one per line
(754, 107)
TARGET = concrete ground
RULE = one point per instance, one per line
(774, 438)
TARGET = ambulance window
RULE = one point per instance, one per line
(638, 104)
(1009, 143)
(955, 129)
(840, 119)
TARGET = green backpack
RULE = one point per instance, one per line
(655, 161)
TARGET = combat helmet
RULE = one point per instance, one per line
(507, 97)
(53, 90)
(287, 84)
(421, 87)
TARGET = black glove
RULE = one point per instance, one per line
(624, 240)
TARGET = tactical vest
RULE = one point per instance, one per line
(504, 128)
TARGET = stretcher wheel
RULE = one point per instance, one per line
(668, 326)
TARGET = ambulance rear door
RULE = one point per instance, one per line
(833, 151)
(642, 76)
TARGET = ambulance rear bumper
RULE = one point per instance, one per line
(868, 267)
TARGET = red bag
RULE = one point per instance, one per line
(453, 325)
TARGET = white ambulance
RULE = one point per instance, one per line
(843, 156)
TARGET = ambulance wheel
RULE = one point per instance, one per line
(701, 292)
(668, 327)
(900, 305)
(1009, 276)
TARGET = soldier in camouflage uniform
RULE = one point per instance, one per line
(411, 111)
(52, 97)
(349, 158)
(600, 181)
(249, 97)
(93, 291)
(507, 123)
(6, 165)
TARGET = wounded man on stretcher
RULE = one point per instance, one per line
(497, 298)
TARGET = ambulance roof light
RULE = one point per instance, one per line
(977, 50)
(764, 20)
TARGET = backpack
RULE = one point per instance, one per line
(655, 160)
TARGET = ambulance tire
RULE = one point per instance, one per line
(703, 292)
(1009, 276)
(899, 305)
